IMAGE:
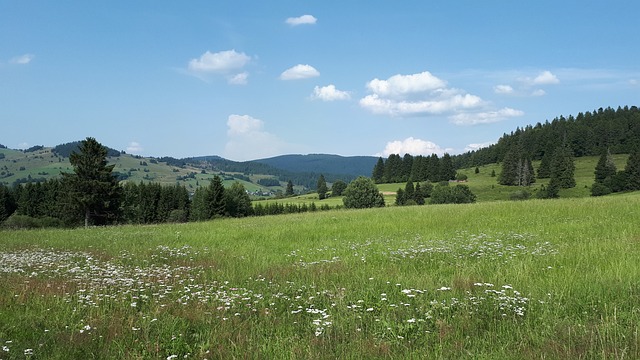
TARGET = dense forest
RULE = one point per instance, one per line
(587, 134)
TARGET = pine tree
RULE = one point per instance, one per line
(322, 188)
(447, 170)
(400, 198)
(632, 171)
(544, 170)
(215, 199)
(409, 191)
(418, 195)
(605, 168)
(563, 168)
(237, 200)
(378, 171)
(289, 190)
(93, 187)
(510, 164)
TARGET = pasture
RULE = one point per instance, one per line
(520, 280)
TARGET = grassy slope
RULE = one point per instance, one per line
(574, 260)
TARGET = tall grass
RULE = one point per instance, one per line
(529, 280)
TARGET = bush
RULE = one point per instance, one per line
(459, 194)
(461, 177)
(16, 221)
(600, 189)
(362, 193)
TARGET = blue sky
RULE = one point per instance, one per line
(254, 79)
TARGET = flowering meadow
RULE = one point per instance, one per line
(518, 280)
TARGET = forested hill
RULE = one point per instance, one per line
(587, 134)
(322, 163)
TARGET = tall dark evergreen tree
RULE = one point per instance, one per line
(199, 209)
(378, 171)
(93, 188)
(563, 168)
(510, 163)
(322, 188)
(447, 170)
(7, 203)
(632, 171)
(215, 198)
(606, 168)
(289, 190)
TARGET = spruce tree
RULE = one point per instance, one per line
(563, 168)
(605, 168)
(93, 187)
(378, 171)
(632, 171)
(400, 198)
(289, 190)
(215, 199)
(322, 188)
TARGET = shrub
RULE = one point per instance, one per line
(600, 189)
(362, 193)
(520, 195)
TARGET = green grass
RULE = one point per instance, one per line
(553, 279)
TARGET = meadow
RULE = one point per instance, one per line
(535, 279)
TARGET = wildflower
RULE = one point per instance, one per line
(412, 320)
(5, 348)
(28, 351)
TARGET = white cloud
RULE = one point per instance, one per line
(399, 85)
(22, 59)
(412, 146)
(247, 139)
(301, 20)
(484, 117)
(378, 105)
(474, 147)
(239, 79)
(545, 78)
(220, 62)
(329, 93)
(416, 95)
(134, 147)
(299, 72)
(503, 89)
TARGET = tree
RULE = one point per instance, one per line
(237, 200)
(459, 194)
(7, 203)
(92, 186)
(400, 198)
(605, 168)
(378, 171)
(632, 171)
(418, 195)
(322, 188)
(337, 188)
(562, 168)
(215, 198)
(362, 193)
(447, 171)
(289, 191)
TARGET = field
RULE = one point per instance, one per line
(554, 279)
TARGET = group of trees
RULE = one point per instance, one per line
(587, 134)
(608, 179)
(418, 168)
(92, 195)
(441, 193)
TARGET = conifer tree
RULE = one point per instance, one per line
(289, 190)
(215, 198)
(563, 168)
(92, 186)
(632, 171)
(378, 171)
(605, 168)
(322, 188)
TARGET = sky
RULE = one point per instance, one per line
(248, 80)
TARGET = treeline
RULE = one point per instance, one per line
(587, 134)
(416, 168)
(275, 208)
(609, 180)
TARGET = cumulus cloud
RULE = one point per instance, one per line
(538, 92)
(298, 72)
(301, 20)
(329, 93)
(227, 63)
(248, 140)
(440, 105)
(416, 95)
(399, 85)
(412, 146)
(484, 117)
(503, 89)
(134, 148)
(22, 59)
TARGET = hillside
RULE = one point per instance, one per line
(42, 163)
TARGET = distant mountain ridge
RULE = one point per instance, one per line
(323, 163)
